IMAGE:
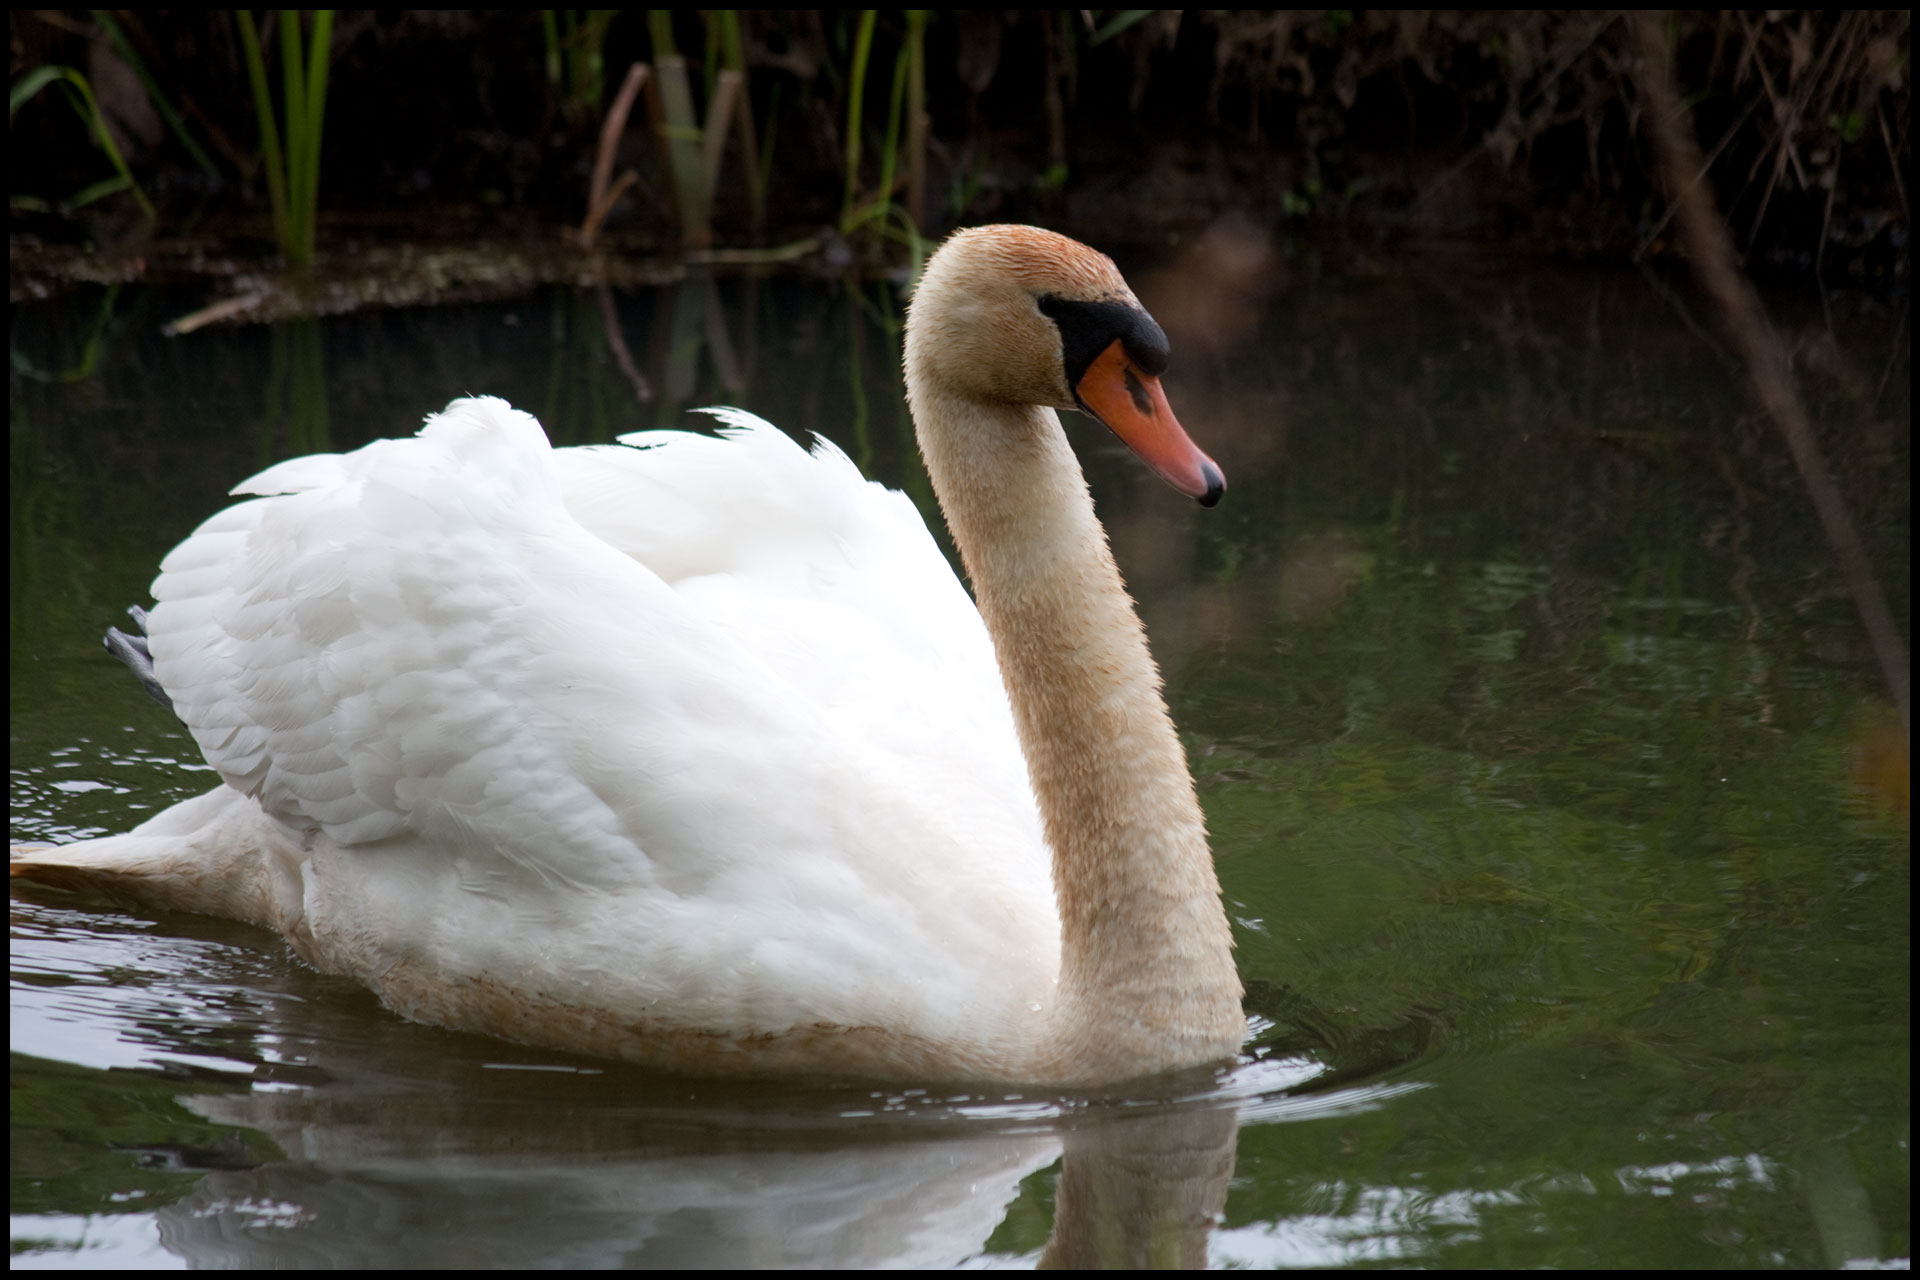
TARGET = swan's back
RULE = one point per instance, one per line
(832, 581)
(694, 744)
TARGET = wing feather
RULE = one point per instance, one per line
(722, 696)
(834, 583)
(560, 660)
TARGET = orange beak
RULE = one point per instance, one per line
(1132, 405)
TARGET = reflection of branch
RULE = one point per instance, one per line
(617, 343)
(1711, 249)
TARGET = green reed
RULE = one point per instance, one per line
(292, 158)
(80, 94)
(906, 114)
(117, 37)
(575, 42)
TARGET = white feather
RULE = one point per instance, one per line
(702, 727)
(693, 751)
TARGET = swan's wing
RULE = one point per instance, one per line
(397, 640)
(509, 748)
(833, 582)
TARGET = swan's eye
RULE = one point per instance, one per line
(1088, 328)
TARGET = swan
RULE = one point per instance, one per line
(692, 751)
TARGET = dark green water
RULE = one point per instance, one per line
(1554, 790)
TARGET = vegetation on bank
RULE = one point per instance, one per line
(759, 126)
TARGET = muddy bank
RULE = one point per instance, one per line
(410, 262)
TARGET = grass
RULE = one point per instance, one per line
(694, 149)
(726, 46)
(1803, 117)
(117, 37)
(575, 44)
(292, 159)
(906, 108)
(80, 94)
(856, 103)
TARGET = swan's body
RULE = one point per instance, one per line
(696, 754)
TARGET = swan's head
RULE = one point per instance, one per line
(1019, 315)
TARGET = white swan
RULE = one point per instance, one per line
(696, 754)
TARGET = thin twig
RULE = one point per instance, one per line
(1646, 241)
(793, 252)
(1893, 359)
(225, 309)
(1826, 224)
(1711, 248)
(590, 229)
(1899, 183)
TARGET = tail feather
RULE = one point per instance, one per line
(212, 854)
(126, 869)
(43, 864)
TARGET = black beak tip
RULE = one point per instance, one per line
(1216, 484)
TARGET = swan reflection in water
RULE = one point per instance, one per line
(1134, 1190)
(533, 1174)
(402, 1145)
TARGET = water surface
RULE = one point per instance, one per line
(1559, 808)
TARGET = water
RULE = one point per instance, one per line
(1555, 794)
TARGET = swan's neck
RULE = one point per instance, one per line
(1147, 976)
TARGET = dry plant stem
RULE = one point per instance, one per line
(590, 227)
(603, 192)
(917, 116)
(1900, 183)
(1056, 109)
(224, 309)
(1711, 248)
(791, 252)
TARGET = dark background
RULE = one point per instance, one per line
(1343, 129)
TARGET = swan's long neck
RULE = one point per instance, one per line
(1147, 976)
